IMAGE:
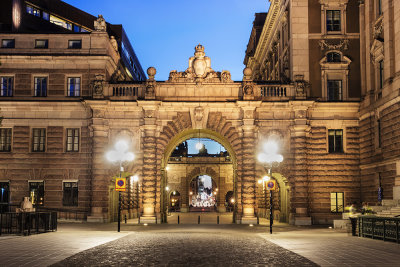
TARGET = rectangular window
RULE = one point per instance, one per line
(77, 28)
(381, 78)
(6, 86)
(36, 193)
(70, 194)
(4, 196)
(75, 44)
(334, 90)
(42, 44)
(40, 86)
(38, 139)
(337, 202)
(335, 140)
(32, 10)
(45, 16)
(72, 140)
(74, 86)
(5, 139)
(8, 43)
(333, 23)
(379, 7)
(379, 133)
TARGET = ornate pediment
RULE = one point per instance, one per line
(199, 70)
(342, 44)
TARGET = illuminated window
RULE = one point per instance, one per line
(333, 22)
(8, 43)
(5, 139)
(32, 10)
(70, 194)
(72, 140)
(337, 202)
(45, 16)
(42, 44)
(60, 22)
(6, 86)
(74, 86)
(335, 141)
(38, 139)
(41, 86)
(75, 44)
(36, 193)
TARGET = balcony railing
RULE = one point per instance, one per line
(124, 91)
(275, 92)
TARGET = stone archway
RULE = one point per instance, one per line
(156, 151)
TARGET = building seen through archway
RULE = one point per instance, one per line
(201, 170)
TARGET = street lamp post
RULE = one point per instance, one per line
(120, 155)
(268, 157)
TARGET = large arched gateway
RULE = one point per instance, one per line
(157, 117)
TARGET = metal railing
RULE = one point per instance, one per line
(385, 228)
(25, 223)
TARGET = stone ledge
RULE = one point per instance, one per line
(302, 221)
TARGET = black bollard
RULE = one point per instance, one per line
(198, 220)
(353, 226)
(258, 220)
(178, 219)
(218, 219)
(125, 218)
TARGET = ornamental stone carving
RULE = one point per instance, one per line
(100, 24)
(97, 86)
(199, 70)
(329, 45)
(301, 86)
(151, 84)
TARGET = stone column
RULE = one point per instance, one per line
(299, 200)
(149, 171)
(248, 176)
(100, 169)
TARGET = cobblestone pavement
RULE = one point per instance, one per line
(189, 245)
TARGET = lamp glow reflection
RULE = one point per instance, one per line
(120, 155)
(268, 157)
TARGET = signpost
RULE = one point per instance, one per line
(120, 184)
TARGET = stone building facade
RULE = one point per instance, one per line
(344, 53)
(305, 87)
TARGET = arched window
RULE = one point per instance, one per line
(333, 57)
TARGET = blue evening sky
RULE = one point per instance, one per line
(164, 33)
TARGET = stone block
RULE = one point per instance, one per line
(302, 221)
(341, 224)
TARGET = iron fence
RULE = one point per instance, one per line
(25, 223)
(385, 228)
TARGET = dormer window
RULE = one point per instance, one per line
(333, 57)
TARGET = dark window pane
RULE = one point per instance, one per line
(46, 16)
(74, 86)
(8, 43)
(334, 90)
(333, 57)
(335, 141)
(40, 86)
(75, 44)
(6, 86)
(5, 139)
(72, 140)
(333, 22)
(38, 140)
(70, 194)
(77, 28)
